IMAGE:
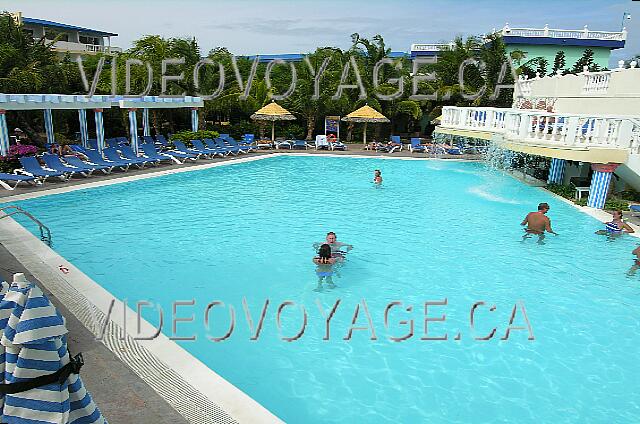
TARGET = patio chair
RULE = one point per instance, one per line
(417, 146)
(150, 151)
(218, 142)
(128, 153)
(248, 139)
(208, 151)
(161, 140)
(180, 147)
(95, 157)
(7, 179)
(322, 143)
(299, 144)
(264, 144)
(31, 166)
(113, 155)
(234, 144)
(53, 162)
(79, 163)
(337, 145)
(283, 144)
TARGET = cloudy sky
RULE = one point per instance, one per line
(281, 26)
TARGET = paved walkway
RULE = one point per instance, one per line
(122, 396)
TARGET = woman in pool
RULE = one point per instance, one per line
(616, 227)
(325, 262)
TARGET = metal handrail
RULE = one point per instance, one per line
(45, 233)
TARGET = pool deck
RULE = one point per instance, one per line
(121, 395)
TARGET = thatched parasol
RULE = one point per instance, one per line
(273, 112)
(365, 114)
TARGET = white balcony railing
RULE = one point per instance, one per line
(584, 33)
(433, 47)
(538, 127)
(67, 46)
(596, 83)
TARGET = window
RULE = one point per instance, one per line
(51, 34)
(86, 39)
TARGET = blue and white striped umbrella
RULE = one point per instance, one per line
(133, 130)
(194, 120)
(84, 131)
(146, 128)
(48, 126)
(4, 134)
(99, 130)
(35, 345)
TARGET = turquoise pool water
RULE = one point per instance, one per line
(435, 230)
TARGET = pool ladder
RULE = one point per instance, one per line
(45, 233)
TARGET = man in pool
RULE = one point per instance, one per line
(537, 223)
(377, 177)
(336, 246)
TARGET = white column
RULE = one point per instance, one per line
(556, 172)
(133, 130)
(84, 132)
(600, 181)
(99, 130)
(4, 134)
(194, 119)
(146, 128)
(48, 126)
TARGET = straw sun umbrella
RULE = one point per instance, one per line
(273, 112)
(365, 114)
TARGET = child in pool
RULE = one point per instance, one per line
(377, 177)
(325, 262)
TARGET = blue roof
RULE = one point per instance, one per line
(43, 22)
(294, 57)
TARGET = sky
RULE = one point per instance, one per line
(248, 27)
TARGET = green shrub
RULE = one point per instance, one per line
(615, 204)
(187, 136)
(567, 192)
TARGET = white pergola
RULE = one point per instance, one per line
(50, 102)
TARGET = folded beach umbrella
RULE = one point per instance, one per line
(40, 380)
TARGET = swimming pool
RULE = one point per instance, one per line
(436, 230)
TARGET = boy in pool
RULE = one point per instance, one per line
(377, 177)
(537, 223)
(325, 262)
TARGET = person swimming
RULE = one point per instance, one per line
(377, 177)
(537, 223)
(336, 246)
(324, 270)
(616, 226)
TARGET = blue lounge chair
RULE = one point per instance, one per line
(226, 142)
(31, 166)
(80, 164)
(299, 144)
(218, 143)
(128, 153)
(111, 142)
(92, 143)
(161, 140)
(243, 148)
(113, 155)
(7, 179)
(96, 158)
(283, 144)
(150, 151)
(182, 148)
(248, 139)
(199, 146)
(416, 146)
(54, 162)
(337, 145)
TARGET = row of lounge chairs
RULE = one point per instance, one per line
(118, 155)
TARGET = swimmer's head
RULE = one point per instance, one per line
(377, 172)
(543, 207)
(325, 251)
(331, 237)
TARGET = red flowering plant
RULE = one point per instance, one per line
(10, 162)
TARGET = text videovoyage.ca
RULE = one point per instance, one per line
(350, 78)
(397, 321)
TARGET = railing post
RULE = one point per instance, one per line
(572, 129)
(625, 134)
